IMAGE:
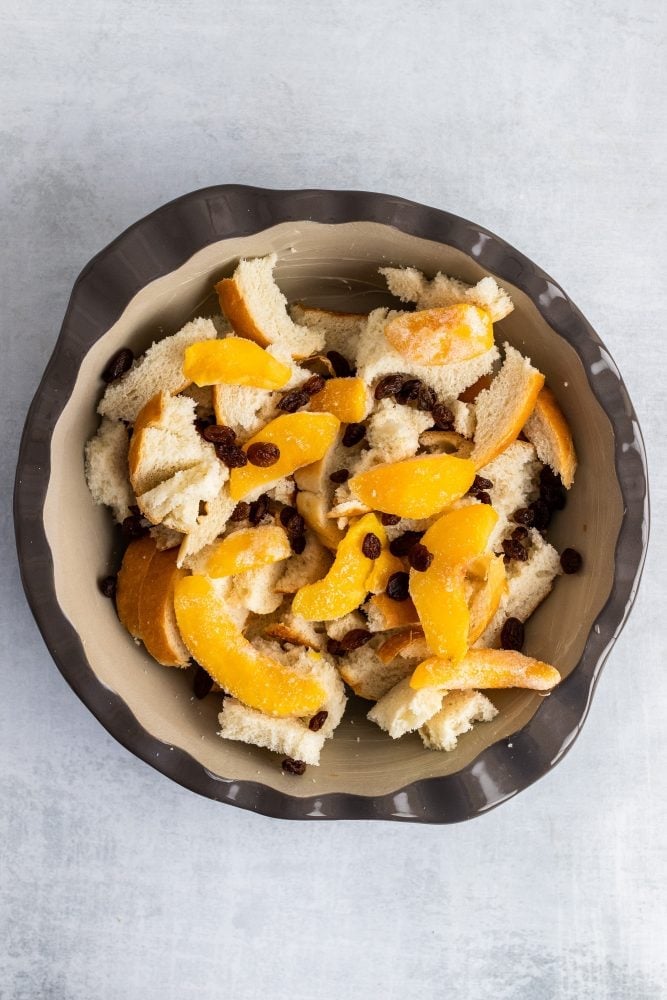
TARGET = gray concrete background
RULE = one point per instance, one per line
(543, 121)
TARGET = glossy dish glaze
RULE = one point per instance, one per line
(159, 273)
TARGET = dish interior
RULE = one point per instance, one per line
(334, 266)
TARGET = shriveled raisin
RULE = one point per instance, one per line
(313, 385)
(554, 496)
(524, 516)
(426, 398)
(134, 527)
(108, 586)
(118, 365)
(512, 634)
(371, 546)
(293, 401)
(340, 476)
(202, 423)
(334, 648)
(297, 543)
(514, 550)
(354, 433)
(402, 545)
(355, 638)
(263, 454)
(201, 683)
(340, 365)
(397, 587)
(389, 519)
(541, 514)
(318, 721)
(292, 766)
(291, 520)
(389, 385)
(484, 497)
(420, 558)
(219, 434)
(480, 485)
(259, 508)
(240, 512)
(409, 390)
(443, 418)
(520, 533)
(571, 561)
(231, 455)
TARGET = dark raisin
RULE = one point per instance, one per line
(219, 434)
(259, 508)
(409, 390)
(334, 648)
(297, 543)
(371, 546)
(389, 519)
(484, 497)
(480, 485)
(118, 365)
(201, 683)
(571, 561)
(263, 454)
(240, 512)
(554, 496)
(339, 364)
(426, 398)
(355, 638)
(293, 401)
(541, 515)
(354, 433)
(420, 558)
(524, 516)
(520, 533)
(292, 521)
(292, 766)
(389, 385)
(203, 423)
(318, 721)
(511, 634)
(514, 550)
(134, 527)
(402, 545)
(108, 586)
(340, 476)
(314, 385)
(548, 478)
(443, 418)
(231, 455)
(397, 588)
(134, 510)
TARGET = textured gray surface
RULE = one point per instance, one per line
(542, 122)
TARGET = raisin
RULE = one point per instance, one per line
(318, 721)
(389, 519)
(355, 638)
(402, 545)
(340, 476)
(202, 683)
(371, 546)
(263, 454)
(340, 365)
(397, 587)
(293, 401)
(334, 647)
(514, 550)
(541, 514)
(571, 561)
(202, 424)
(297, 543)
(354, 433)
(426, 398)
(480, 485)
(134, 527)
(519, 534)
(108, 586)
(231, 455)
(484, 497)
(292, 521)
(314, 385)
(420, 558)
(524, 516)
(553, 496)
(389, 385)
(219, 434)
(409, 390)
(118, 365)
(259, 508)
(548, 478)
(443, 418)
(292, 766)
(512, 634)
(240, 512)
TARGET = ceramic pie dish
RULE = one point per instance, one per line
(156, 276)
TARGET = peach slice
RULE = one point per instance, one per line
(401, 643)
(459, 536)
(441, 336)
(247, 548)
(548, 430)
(486, 598)
(385, 613)
(486, 668)
(233, 361)
(346, 584)
(219, 646)
(157, 621)
(302, 438)
(384, 566)
(133, 570)
(346, 398)
(416, 487)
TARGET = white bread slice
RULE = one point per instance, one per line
(515, 475)
(310, 565)
(165, 538)
(340, 329)
(106, 468)
(209, 526)
(548, 429)
(465, 418)
(160, 369)
(402, 709)
(528, 583)
(409, 285)
(255, 589)
(339, 627)
(504, 407)
(283, 492)
(368, 676)
(393, 430)
(175, 503)
(256, 308)
(459, 711)
(376, 357)
(295, 630)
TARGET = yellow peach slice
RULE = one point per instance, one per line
(486, 668)
(346, 584)
(486, 598)
(384, 566)
(247, 549)
(233, 361)
(441, 336)
(459, 536)
(301, 438)
(385, 613)
(135, 565)
(157, 621)
(416, 487)
(217, 643)
(346, 398)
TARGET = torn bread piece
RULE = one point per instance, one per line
(106, 468)
(371, 678)
(256, 308)
(410, 285)
(295, 630)
(402, 709)
(515, 477)
(209, 526)
(175, 502)
(549, 431)
(256, 591)
(340, 330)
(460, 709)
(308, 566)
(160, 369)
